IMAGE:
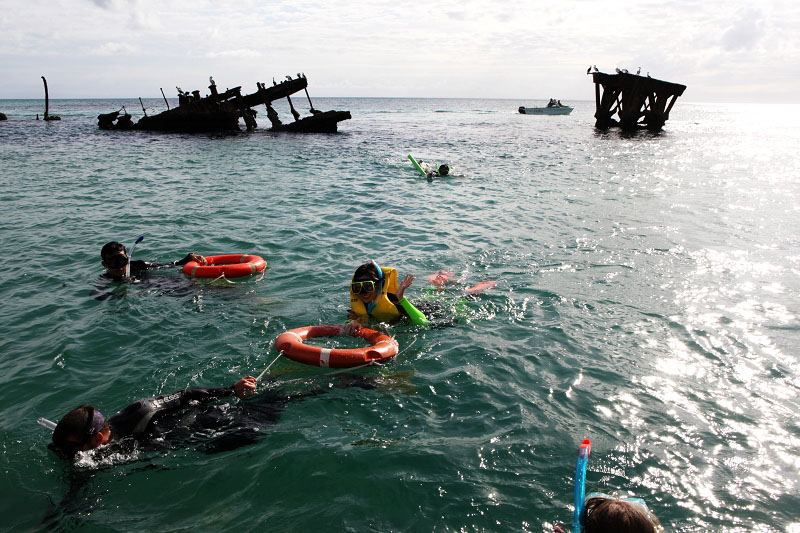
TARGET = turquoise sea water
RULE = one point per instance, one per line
(647, 299)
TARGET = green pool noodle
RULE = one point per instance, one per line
(416, 165)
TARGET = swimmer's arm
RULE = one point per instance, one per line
(415, 316)
(147, 265)
(190, 257)
(241, 389)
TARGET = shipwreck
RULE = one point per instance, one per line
(639, 101)
(221, 111)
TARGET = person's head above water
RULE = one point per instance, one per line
(612, 515)
(366, 282)
(83, 428)
(114, 257)
(444, 170)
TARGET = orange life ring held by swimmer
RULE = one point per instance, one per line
(291, 343)
(231, 265)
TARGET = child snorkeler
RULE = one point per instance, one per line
(375, 293)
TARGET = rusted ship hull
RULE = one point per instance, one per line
(221, 112)
(321, 122)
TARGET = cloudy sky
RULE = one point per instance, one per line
(724, 51)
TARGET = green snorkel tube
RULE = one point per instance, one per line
(580, 485)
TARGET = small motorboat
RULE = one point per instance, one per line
(549, 110)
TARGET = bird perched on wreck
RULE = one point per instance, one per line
(589, 70)
(638, 70)
(618, 70)
(595, 68)
(288, 77)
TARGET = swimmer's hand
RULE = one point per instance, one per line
(403, 285)
(245, 387)
(198, 258)
(192, 257)
(557, 529)
(351, 328)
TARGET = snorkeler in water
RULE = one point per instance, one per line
(430, 172)
(85, 428)
(119, 267)
(115, 259)
(605, 514)
(376, 294)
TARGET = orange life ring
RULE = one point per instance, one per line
(232, 265)
(291, 343)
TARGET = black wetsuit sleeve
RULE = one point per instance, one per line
(138, 417)
(183, 261)
(395, 301)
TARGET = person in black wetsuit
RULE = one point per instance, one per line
(85, 428)
(115, 258)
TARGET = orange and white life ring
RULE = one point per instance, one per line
(291, 343)
(231, 265)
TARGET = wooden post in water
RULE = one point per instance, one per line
(164, 97)
(640, 102)
(47, 103)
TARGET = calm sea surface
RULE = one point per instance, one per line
(647, 298)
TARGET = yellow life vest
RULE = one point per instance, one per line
(384, 310)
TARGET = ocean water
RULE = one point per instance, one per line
(646, 299)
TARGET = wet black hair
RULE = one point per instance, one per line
(367, 271)
(111, 248)
(74, 424)
(444, 170)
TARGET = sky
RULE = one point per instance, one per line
(723, 51)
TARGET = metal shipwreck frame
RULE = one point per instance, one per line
(219, 112)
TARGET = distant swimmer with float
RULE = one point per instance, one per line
(429, 171)
(601, 513)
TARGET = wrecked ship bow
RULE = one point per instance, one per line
(220, 112)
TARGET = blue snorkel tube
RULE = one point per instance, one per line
(580, 485)
(130, 256)
(371, 306)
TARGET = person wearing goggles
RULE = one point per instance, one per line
(375, 293)
(115, 259)
(85, 428)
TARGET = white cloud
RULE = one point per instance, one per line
(113, 49)
(745, 33)
(240, 53)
